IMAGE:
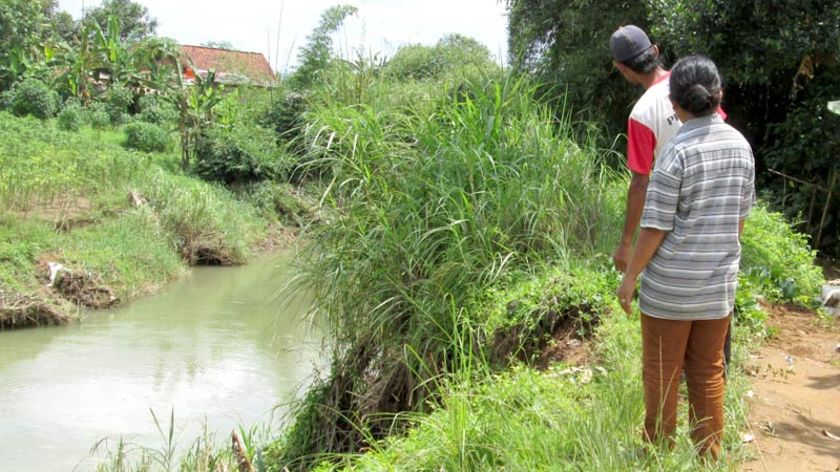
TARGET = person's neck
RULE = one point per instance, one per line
(655, 76)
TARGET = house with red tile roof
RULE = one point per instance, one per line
(232, 67)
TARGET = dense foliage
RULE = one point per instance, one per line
(146, 137)
(487, 182)
(317, 54)
(239, 153)
(453, 53)
(563, 45)
(136, 22)
(33, 97)
(70, 118)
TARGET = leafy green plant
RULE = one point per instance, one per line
(98, 116)
(452, 54)
(146, 137)
(316, 55)
(70, 118)
(777, 262)
(238, 154)
(153, 110)
(33, 97)
(117, 99)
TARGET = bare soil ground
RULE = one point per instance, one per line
(795, 412)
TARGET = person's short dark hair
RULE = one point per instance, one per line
(644, 63)
(695, 85)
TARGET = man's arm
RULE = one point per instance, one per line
(635, 205)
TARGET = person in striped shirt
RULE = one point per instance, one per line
(688, 255)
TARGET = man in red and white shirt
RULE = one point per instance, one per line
(651, 124)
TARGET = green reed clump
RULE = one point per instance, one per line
(431, 209)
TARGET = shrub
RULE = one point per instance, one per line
(33, 97)
(776, 260)
(146, 137)
(452, 53)
(70, 118)
(118, 99)
(285, 116)
(240, 153)
(155, 112)
(98, 116)
(7, 97)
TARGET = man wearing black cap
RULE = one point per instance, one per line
(651, 124)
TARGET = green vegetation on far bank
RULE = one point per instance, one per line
(66, 197)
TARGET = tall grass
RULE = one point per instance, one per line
(431, 209)
(41, 166)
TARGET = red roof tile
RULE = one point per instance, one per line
(252, 65)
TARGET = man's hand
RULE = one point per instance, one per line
(621, 257)
(625, 293)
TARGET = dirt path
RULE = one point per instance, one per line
(796, 405)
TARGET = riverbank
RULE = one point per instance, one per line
(86, 222)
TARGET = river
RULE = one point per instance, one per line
(221, 347)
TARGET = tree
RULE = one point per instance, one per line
(64, 27)
(317, 54)
(454, 53)
(780, 61)
(22, 26)
(136, 24)
(564, 45)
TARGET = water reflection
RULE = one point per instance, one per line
(219, 345)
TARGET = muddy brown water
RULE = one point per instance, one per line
(223, 347)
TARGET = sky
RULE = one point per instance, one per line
(381, 26)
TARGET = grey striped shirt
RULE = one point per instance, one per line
(701, 186)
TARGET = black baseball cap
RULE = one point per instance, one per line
(628, 42)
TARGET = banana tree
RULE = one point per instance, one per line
(116, 58)
(195, 103)
(78, 63)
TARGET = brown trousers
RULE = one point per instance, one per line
(668, 346)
